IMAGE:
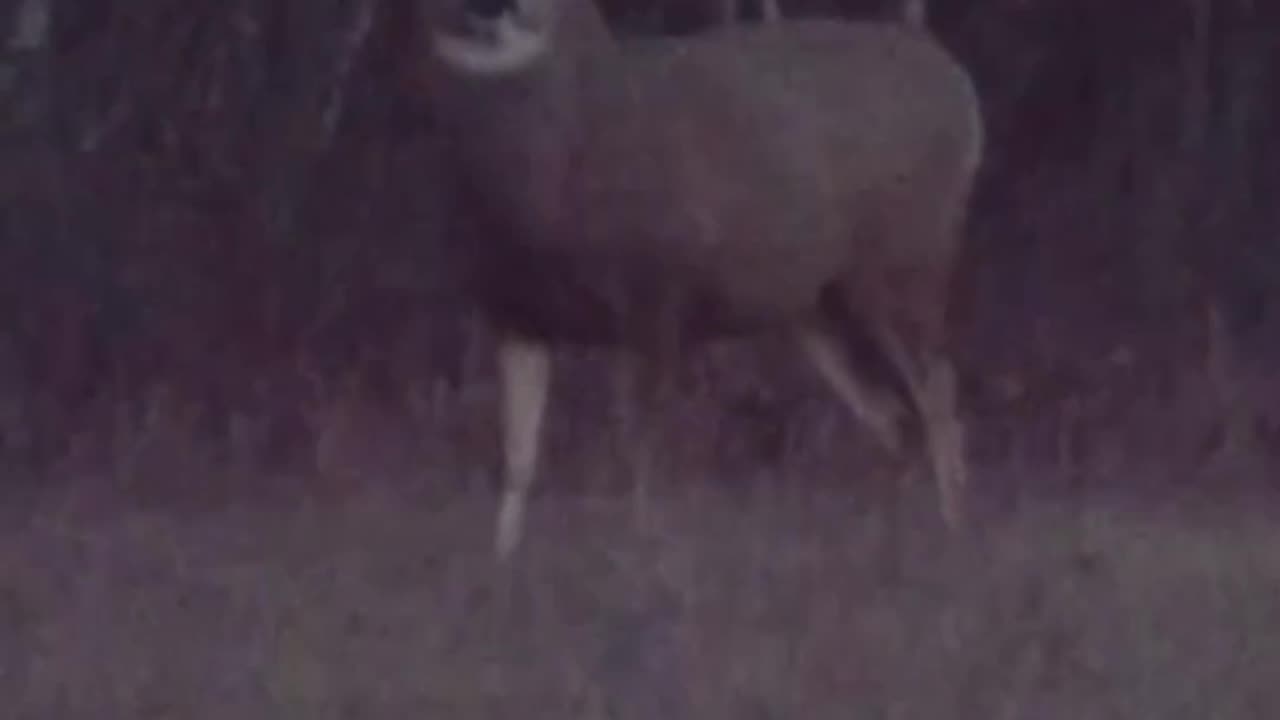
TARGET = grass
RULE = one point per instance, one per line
(765, 604)
(172, 581)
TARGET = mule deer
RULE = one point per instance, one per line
(805, 175)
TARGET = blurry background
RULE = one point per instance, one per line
(220, 251)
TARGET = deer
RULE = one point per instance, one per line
(806, 176)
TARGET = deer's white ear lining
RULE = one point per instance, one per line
(511, 48)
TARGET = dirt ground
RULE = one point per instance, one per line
(762, 604)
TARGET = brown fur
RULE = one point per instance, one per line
(809, 174)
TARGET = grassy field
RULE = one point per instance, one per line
(765, 604)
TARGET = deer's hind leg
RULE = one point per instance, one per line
(846, 357)
(908, 327)
(931, 379)
(869, 402)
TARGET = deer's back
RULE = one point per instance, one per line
(756, 158)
